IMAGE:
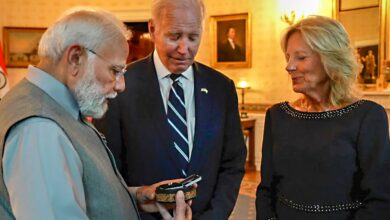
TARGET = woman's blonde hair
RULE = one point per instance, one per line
(330, 40)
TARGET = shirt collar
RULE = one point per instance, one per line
(55, 89)
(163, 72)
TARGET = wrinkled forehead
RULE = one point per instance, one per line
(115, 52)
(180, 11)
(181, 19)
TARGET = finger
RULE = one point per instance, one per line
(145, 193)
(181, 206)
(188, 212)
(166, 182)
(164, 212)
(150, 195)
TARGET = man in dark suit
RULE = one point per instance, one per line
(143, 135)
(230, 51)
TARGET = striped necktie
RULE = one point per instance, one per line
(177, 121)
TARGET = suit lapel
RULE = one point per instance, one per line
(204, 107)
(151, 94)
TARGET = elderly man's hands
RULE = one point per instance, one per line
(146, 199)
(182, 211)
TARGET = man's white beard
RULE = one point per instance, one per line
(89, 94)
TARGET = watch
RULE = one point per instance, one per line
(3, 79)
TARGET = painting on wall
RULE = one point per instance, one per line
(21, 45)
(367, 57)
(140, 44)
(231, 41)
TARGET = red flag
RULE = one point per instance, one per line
(4, 85)
(2, 62)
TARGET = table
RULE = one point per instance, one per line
(248, 128)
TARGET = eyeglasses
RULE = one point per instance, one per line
(118, 70)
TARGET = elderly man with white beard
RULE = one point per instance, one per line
(54, 163)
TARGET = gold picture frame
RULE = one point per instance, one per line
(346, 5)
(238, 28)
(367, 55)
(21, 45)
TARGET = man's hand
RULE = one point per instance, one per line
(146, 196)
(182, 211)
(146, 199)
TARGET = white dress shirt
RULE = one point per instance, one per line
(187, 82)
(232, 44)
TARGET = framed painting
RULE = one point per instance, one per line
(367, 57)
(21, 45)
(140, 44)
(231, 41)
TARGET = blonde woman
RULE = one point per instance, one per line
(327, 154)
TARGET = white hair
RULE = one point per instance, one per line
(91, 28)
(159, 6)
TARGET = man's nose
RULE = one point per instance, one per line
(120, 84)
(183, 46)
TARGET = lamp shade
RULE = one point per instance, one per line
(243, 84)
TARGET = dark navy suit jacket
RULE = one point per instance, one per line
(137, 132)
